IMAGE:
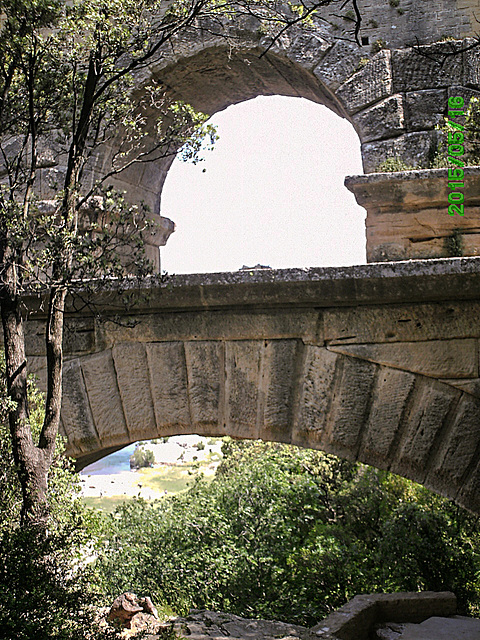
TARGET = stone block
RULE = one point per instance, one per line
(471, 62)
(401, 323)
(436, 358)
(431, 404)
(315, 397)
(133, 379)
(472, 387)
(302, 46)
(469, 494)
(392, 392)
(279, 386)
(457, 450)
(384, 120)
(425, 109)
(212, 325)
(168, 376)
(205, 373)
(369, 85)
(355, 620)
(416, 149)
(243, 367)
(76, 412)
(465, 92)
(426, 67)
(349, 408)
(339, 63)
(104, 399)
(443, 629)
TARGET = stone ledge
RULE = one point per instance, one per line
(355, 620)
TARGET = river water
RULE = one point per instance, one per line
(114, 463)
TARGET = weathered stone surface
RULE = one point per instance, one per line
(430, 408)
(205, 366)
(133, 379)
(104, 398)
(242, 384)
(340, 62)
(469, 494)
(168, 375)
(315, 399)
(424, 109)
(79, 337)
(384, 120)
(471, 387)
(401, 323)
(372, 83)
(426, 68)
(457, 449)
(349, 408)
(391, 395)
(212, 625)
(415, 149)
(212, 325)
(303, 47)
(280, 373)
(356, 619)
(408, 217)
(436, 358)
(471, 59)
(76, 411)
(443, 629)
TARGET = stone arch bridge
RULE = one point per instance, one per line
(377, 363)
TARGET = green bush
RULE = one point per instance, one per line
(141, 458)
(290, 534)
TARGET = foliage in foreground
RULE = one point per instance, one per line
(46, 581)
(291, 534)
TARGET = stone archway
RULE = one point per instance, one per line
(377, 363)
(394, 99)
(344, 393)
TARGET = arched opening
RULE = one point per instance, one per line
(270, 193)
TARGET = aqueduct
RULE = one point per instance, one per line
(377, 363)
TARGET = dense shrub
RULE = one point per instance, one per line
(291, 534)
(141, 458)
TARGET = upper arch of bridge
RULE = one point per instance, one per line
(393, 97)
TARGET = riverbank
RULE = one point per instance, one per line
(177, 461)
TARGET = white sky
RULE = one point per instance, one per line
(271, 192)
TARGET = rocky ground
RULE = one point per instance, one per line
(212, 625)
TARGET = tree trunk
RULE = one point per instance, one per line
(30, 459)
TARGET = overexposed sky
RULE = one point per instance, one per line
(271, 192)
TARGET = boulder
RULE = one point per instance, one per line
(126, 606)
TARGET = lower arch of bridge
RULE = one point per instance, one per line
(280, 390)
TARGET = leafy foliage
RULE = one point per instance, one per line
(46, 581)
(142, 457)
(291, 534)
